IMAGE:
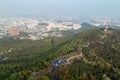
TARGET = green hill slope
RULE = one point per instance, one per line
(92, 55)
(100, 56)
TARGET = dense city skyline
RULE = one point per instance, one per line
(59, 8)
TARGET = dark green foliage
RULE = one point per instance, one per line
(100, 61)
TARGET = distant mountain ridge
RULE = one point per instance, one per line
(86, 26)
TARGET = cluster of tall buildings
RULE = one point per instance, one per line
(35, 28)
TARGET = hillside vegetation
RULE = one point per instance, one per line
(100, 56)
(92, 55)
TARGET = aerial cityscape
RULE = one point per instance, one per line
(42, 28)
(59, 39)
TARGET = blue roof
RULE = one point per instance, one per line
(58, 62)
(1, 59)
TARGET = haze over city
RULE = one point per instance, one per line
(59, 39)
(35, 8)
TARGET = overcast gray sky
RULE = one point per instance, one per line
(59, 8)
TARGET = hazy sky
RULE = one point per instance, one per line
(59, 8)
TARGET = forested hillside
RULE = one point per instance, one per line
(100, 56)
(88, 55)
